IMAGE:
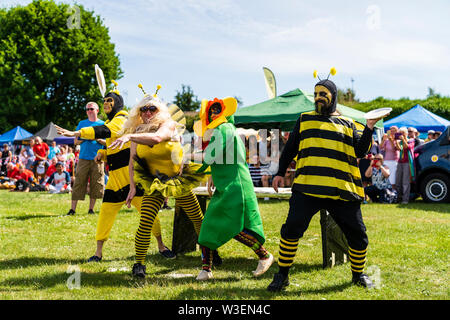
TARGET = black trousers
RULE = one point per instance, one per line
(347, 215)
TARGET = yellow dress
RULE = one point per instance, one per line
(157, 169)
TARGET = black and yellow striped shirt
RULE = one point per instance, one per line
(118, 185)
(327, 148)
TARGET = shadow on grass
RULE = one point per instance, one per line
(260, 293)
(28, 217)
(25, 262)
(424, 206)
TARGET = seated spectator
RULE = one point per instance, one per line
(437, 134)
(290, 175)
(22, 178)
(379, 174)
(59, 181)
(256, 171)
(51, 168)
(40, 169)
(365, 162)
(5, 180)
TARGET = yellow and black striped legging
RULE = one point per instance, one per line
(288, 249)
(347, 216)
(151, 204)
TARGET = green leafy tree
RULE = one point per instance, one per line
(347, 97)
(186, 100)
(47, 57)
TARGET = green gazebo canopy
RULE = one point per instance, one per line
(283, 111)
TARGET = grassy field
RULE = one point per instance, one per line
(408, 256)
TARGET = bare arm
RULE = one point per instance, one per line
(132, 191)
(385, 171)
(131, 165)
(164, 133)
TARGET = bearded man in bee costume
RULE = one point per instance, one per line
(118, 186)
(327, 177)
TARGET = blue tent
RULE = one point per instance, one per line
(16, 134)
(419, 118)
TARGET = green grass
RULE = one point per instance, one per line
(408, 256)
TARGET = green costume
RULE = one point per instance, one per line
(234, 206)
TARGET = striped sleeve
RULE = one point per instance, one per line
(108, 130)
(363, 143)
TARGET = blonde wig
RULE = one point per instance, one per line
(134, 124)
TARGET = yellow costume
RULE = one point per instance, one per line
(118, 185)
(157, 170)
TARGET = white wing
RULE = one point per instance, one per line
(100, 80)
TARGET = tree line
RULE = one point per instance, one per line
(48, 52)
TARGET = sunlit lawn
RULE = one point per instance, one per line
(408, 256)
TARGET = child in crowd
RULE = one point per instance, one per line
(59, 181)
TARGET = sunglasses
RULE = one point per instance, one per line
(90, 109)
(149, 108)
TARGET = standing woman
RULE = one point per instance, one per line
(156, 165)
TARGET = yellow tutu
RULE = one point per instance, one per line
(175, 186)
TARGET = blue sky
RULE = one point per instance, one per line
(390, 48)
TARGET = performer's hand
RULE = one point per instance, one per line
(276, 182)
(119, 142)
(65, 132)
(371, 122)
(130, 196)
(210, 186)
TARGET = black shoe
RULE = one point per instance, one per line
(139, 270)
(362, 280)
(94, 259)
(167, 253)
(279, 282)
(166, 207)
(71, 212)
(217, 260)
(91, 211)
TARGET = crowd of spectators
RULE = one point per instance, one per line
(387, 171)
(35, 166)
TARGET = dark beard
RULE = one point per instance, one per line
(323, 108)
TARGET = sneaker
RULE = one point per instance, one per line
(166, 207)
(279, 282)
(94, 259)
(362, 280)
(91, 211)
(263, 265)
(217, 260)
(204, 275)
(167, 253)
(71, 212)
(139, 270)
